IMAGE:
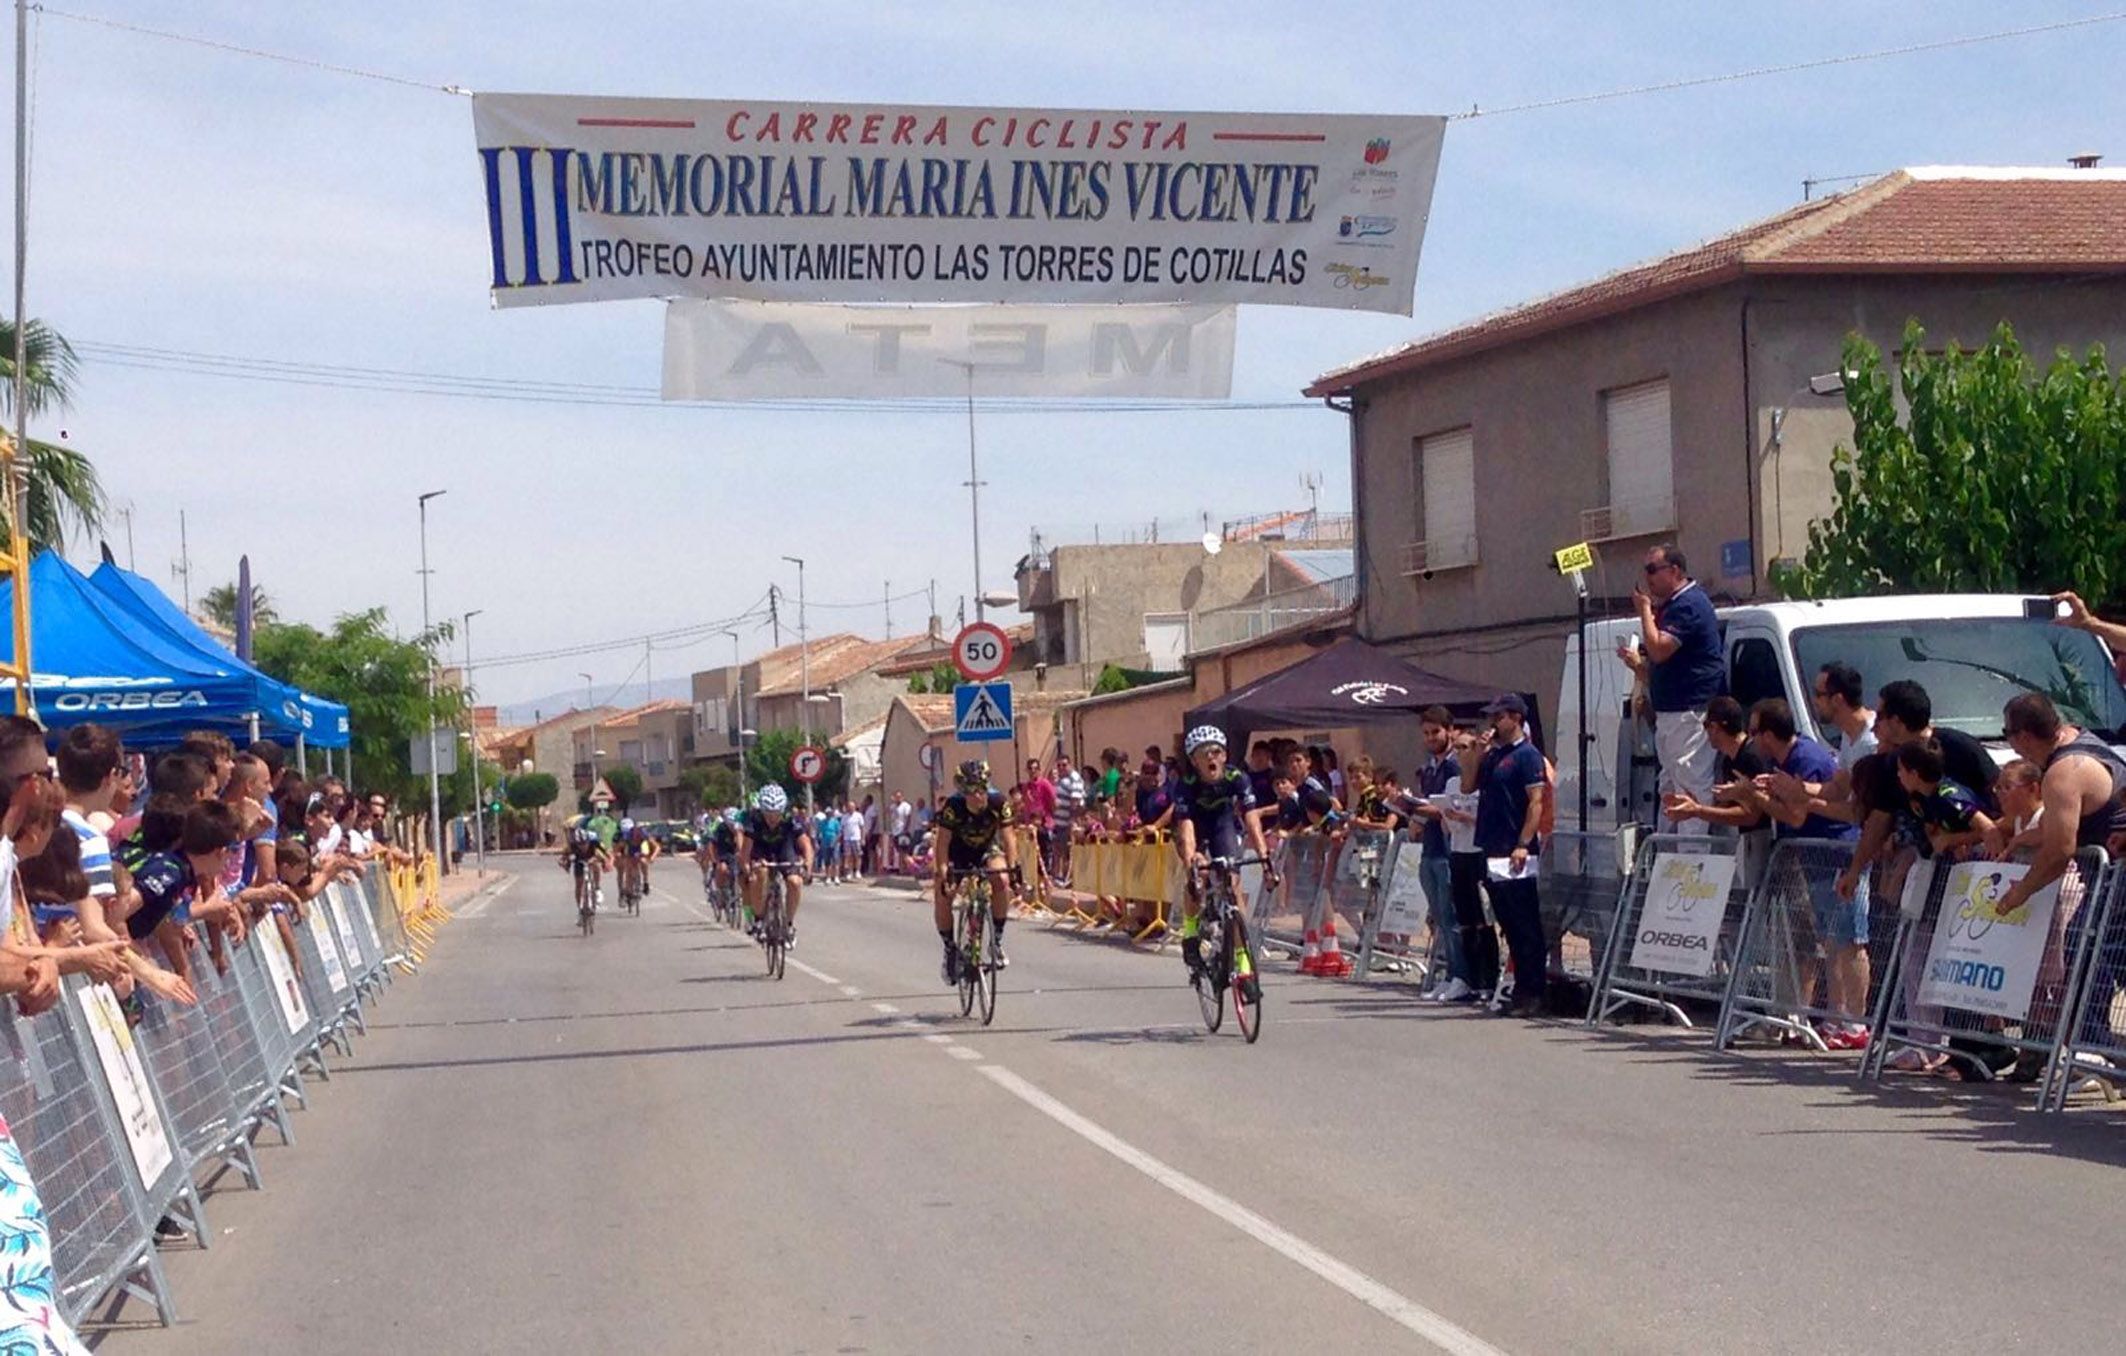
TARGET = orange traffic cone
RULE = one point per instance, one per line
(1334, 963)
(1310, 959)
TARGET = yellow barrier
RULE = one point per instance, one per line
(1026, 851)
(1127, 873)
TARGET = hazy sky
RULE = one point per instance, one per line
(198, 201)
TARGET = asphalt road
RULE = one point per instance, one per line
(638, 1143)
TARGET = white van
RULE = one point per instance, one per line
(1971, 651)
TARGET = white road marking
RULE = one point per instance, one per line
(887, 1008)
(479, 906)
(964, 1052)
(1439, 1331)
(822, 976)
(851, 991)
(937, 1038)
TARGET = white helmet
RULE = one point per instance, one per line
(1201, 736)
(773, 799)
(627, 825)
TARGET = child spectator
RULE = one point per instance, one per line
(1949, 815)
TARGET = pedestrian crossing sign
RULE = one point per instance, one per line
(981, 712)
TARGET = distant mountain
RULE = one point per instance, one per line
(555, 703)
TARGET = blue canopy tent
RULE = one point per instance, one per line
(93, 661)
(320, 722)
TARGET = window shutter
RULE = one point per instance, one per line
(1641, 458)
(1447, 468)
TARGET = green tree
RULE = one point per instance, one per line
(710, 785)
(219, 606)
(381, 679)
(533, 790)
(456, 789)
(65, 493)
(1996, 479)
(939, 679)
(768, 760)
(626, 784)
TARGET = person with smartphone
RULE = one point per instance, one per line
(1678, 651)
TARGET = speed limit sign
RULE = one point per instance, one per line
(982, 651)
(808, 765)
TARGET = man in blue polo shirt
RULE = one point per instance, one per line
(1679, 647)
(1510, 780)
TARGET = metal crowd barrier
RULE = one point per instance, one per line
(1399, 936)
(2010, 974)
(2094, 1044)
(121, 1124)
(1779, 981)
(1580, 878)
(1673, 930)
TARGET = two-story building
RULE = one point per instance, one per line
(655, 739)
(1691, 400)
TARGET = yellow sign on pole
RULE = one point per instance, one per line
(1574, 559)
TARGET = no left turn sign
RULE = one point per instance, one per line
(808, 764)
(981, 652)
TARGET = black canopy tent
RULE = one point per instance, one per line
(1348, 683)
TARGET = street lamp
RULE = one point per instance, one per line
(435, 776)
(479, 810)
(738, 669)
(804, 669)
(590, 706)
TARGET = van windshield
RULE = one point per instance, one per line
(1971, 666)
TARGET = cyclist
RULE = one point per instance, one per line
(1214, 807)
(582, 852)
(721, 845)
(604, 825)
(771, 837)
(644, 848)
(967, 834)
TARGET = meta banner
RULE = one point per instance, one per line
(751, 350)
(596, 199)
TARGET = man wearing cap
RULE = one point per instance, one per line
(1679, 652)
(1510, 781)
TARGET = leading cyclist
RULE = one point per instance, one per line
(1213, 808)
(967, 834)
(583, 854)
(771, 837)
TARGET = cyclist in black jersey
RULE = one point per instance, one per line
(967, 834)
(719, 847)
(1214, 808)
(771, 838)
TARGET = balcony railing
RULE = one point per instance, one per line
(1628, 518)
(1222, 626)
(1439, 553)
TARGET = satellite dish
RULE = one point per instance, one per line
(1212, 543)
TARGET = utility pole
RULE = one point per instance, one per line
(974, 484)
(435, 775)
(930, 623)
(649, 681)
(887, 590)
(183, 568)
(589, 705)
(130, 562)
(479, 806)
(17, 462)
(738, 677)
(775, 615)
(804, 670)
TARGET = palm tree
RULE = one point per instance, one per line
(219, 606)
(65, 493)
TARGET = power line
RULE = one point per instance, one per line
(1788, 68)
(344, 377)
(667, 639)
(235, 49)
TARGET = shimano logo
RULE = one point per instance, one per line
(78, 702)
(1968, 975)
(1682, 941)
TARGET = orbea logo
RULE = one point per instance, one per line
(1377, 150)
(129, 701)
(1368, 693)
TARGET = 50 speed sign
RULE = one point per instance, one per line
(982, 651)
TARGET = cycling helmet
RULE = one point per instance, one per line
(973, 775)
(733, 814)
(772, 799)
(1202, 736)
(627, 825)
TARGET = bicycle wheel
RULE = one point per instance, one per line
(986, 973)
(970, 943)
(1247, 1007)
(1209, 982)
(771, 927)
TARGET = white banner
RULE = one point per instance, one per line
(594, 199)
(328, 951)
(1979, 960)
(1686, 902)
(128, 1079)
(336, 896)
(750, 350)
(1405, 909)
(281, 971)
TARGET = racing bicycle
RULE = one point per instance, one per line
(774, 922)
(1229, 958)
(631, 887)
(586, 896)
(975, 934)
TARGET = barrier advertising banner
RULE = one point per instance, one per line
(1980, 960)
(1686, 903)
(328, 951)
(128, 1079)
(751, 350)
(596, 199)
(1404, 909)
(342, 927)
(282, 972)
